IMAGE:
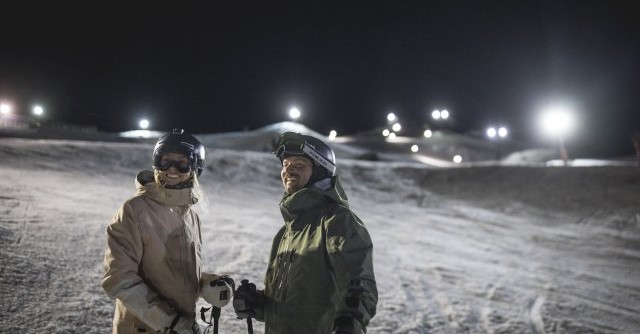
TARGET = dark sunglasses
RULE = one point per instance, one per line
(181, 166)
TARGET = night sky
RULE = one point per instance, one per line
(220, 68)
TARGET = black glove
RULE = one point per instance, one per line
(246, 299)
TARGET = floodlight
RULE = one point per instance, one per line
(391, 117)
(396, 127)
(428, 133)
(294, 113)
(557, 120)
(435, 114)
(38, 110)
(457, 158)
(444, 114)
(144, 123)
(332, 135)
(491, 132)
(5, 108)
(392, 135)
(414, 148)
(502, 132)
(386, 132)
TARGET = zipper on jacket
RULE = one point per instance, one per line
(284, 268)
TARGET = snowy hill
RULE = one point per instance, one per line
(472, 249)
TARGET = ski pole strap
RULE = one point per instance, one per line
(213, 320)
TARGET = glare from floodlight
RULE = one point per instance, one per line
(294, 113)
(435, 114)
(557, 120)
(503, 132)
(392, 135)
(144, 123)
(332, 135)
(457, 158)
(491, 132)
(5, 108)
(386, 132)
(38, 110)
(428, 133)
(414, 148)
(391, 117)
(396, 127)
(444, 114)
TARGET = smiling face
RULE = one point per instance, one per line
(172, 176)
(295, 173)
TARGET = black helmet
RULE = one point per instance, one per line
(322, 156)
(178, 141)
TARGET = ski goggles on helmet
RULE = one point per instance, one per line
(181, 166)
(291, 143)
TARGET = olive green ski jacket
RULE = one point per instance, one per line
(320, 269)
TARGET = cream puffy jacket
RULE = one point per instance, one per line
(152, 259)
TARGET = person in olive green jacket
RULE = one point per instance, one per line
(153, 266)
(320, 276)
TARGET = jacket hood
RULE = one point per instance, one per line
(147, 186)
(292, 205)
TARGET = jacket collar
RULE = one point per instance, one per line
(146, 185)
(311, 198)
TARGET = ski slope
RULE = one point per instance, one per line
(474, 249)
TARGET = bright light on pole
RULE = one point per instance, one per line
(428, 133)
(392, 135)
(38, 110)
(396, 127)
(391, 117)
(558, 121)
(497, 134)
(457, 158)
(414, 148)
(444, 114)
(332, 135)
(294, 113)
(491, 132)
(436, 114)
(5, 108)
(144, 123)
(502, 132)
(386, 132)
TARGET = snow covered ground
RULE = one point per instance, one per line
(473, 249)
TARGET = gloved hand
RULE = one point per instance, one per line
(246, 299)
(185, 326)
(216, 290)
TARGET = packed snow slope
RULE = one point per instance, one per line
(457, 250)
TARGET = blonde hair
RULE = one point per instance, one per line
(196, 189)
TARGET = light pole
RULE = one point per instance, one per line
(557, 121)
(497, 135)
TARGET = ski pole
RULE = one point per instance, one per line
(215, 314)
(249, 325)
